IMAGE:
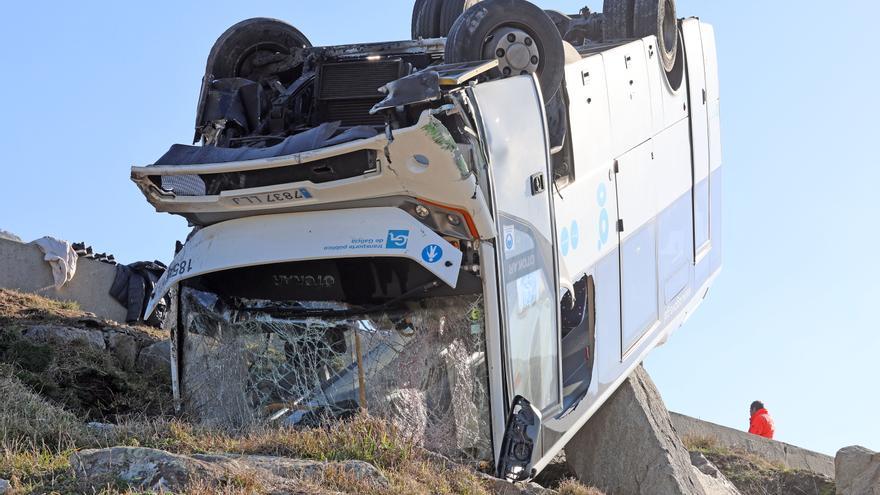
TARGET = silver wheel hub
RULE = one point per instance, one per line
(516, 51)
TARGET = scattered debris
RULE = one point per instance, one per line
(61, 257)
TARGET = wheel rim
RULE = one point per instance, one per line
(516, 51)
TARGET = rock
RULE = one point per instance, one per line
(857, 471)
(156, 470)
(156, 358)
(105, 428)
(299, 469)
(4, 486)
(630, 447)
(712, 480)
(125, 348)
(58, 334)
(498, 486)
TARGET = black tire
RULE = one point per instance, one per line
(427, 20)
(417, 8)
(657, 17)
(234, 48)
(619, 19)
(562, 21)
(472, 31)
(450, 12)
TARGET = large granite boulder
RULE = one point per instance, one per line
(857, 471)
(65, 335)
(710, 477)
(159, 471)
(629, 446)
(156, 358)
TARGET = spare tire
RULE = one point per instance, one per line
(516, 33)
(657, 17)
(235, 50)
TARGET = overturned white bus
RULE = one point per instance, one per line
(478, 233)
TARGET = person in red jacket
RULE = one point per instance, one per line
(761, 423)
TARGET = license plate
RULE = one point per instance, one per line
(282, 197)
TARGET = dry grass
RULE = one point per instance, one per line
(572, 487)
(92, 383)
(43, 424)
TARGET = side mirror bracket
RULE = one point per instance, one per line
(518, 447)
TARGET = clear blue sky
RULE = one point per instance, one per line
(91, 88)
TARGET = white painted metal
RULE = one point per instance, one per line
(440, 182)
(589, 115)
(358, 233)
(690, 29)
(710, 57)
(629, 95)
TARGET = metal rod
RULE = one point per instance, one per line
(362, 392)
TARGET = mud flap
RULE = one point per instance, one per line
(520, 439)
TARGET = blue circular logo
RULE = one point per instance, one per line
(508, 241)
(575, 235)
(432, 253)
(563, 241)
(602, 195)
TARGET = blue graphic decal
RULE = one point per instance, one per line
(604, 228)
(604, 225)
(397, 239)
(575, 235)
(305, 193)
(563, 241)
(432, 253)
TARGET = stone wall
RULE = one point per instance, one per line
(777, 452)
(22, 268)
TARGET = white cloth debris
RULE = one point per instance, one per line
(61, 257)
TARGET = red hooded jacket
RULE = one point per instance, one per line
(762, 424)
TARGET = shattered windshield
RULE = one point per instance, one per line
(422, 367)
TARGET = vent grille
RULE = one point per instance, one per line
(347, 91)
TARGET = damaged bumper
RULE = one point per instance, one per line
(340, 234)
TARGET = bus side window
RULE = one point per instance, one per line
(578, 341)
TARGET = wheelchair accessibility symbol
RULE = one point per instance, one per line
(432, 253)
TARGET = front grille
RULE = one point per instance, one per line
(347, 91)
(329, 169)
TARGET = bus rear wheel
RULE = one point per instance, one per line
(517, 33)
(629, 19)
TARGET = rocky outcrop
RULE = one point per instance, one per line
(4, 487)
(160, 471)
(712, 480)
(857, 471)
(630, 446)
(156, 358)
(64, 335)
(786, 455)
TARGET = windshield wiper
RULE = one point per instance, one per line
(356, 311)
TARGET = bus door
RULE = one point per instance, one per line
(512, 115)
(699, 112)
